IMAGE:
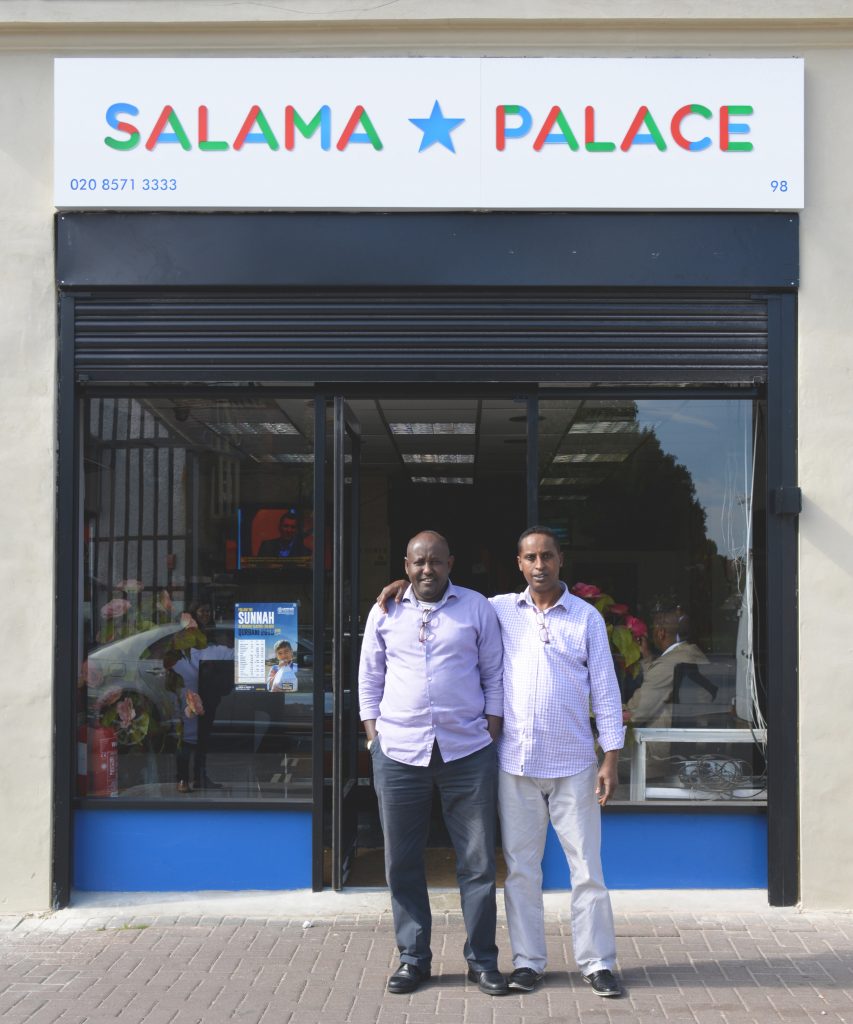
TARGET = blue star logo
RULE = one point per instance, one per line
(436, 128)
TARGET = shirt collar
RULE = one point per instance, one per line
(525, 598)
(451, 591)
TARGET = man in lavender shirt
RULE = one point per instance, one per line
(431, 696)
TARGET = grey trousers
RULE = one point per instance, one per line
(526, 806)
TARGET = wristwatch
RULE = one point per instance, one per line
(369, 744)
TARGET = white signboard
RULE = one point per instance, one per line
(429, 133)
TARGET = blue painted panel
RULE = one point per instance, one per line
(172, 851)
(673, 851)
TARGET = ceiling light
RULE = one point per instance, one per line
(442, 480)
(421, 457)
(592, 457)
(254, 428)
(605, 427)
(432, 428)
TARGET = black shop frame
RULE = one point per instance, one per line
(120, 275)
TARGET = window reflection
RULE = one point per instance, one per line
(174, 492)
(653, 503)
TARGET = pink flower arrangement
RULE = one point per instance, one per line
(116, 608)
(108, 698)
(623, 630)
(126, 712)
(637, 626)
(90, 674)
(194, 705)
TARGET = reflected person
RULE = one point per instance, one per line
(289, 543)
(650, 704)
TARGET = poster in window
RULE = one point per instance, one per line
(265, 641)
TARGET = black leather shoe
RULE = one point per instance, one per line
(603, 983)
(525, 979)
(493, 983)
(406, 978)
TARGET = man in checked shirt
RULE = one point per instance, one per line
(557, 663)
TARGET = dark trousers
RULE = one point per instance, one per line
(468, 791)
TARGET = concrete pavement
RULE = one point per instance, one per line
(301, 958)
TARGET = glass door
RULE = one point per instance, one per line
(346, 450)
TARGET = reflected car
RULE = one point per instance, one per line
(134, 665)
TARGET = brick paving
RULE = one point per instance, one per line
(164, 965)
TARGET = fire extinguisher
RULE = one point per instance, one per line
(104, 761)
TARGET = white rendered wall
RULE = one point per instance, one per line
(32, 32)
(27, 512)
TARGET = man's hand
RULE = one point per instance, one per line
(395, 590)
(495, 725)
(607, 777)
(370, 728)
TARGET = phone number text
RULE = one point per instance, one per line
(123, 184)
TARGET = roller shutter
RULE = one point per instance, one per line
(423, 334)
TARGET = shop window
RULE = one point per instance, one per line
(196, 669)
(654, 503)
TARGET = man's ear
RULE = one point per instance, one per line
(450, 561)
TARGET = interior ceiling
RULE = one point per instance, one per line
(580, 441)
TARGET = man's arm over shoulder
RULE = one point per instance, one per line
(491, 657)
(604, 687)
(371, 669)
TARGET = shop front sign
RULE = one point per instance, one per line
(429, 133)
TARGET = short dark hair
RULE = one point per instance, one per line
(545, 531)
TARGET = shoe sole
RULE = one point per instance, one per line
(406, 991)
(604, 995)
(523, 988)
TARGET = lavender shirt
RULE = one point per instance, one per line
(439, 690)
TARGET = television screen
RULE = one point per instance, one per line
(274, 536)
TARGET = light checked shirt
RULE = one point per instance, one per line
(439, 689)
(550, 687)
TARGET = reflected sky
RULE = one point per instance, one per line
(713, 440)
